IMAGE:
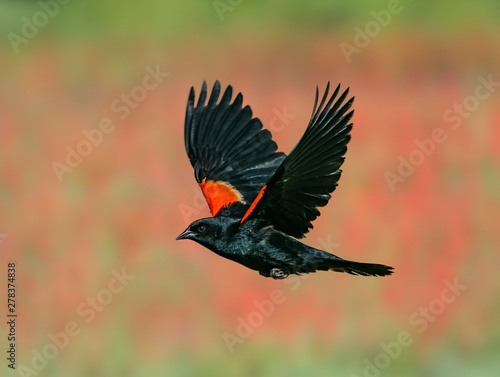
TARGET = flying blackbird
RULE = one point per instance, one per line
(262, 200)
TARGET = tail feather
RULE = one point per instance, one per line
(357, 268)
(323, 261)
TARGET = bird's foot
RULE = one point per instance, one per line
(278, 273)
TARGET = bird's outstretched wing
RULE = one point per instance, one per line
(310, 172)
(232, 156)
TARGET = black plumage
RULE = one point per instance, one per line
(224, 143)
(262, 200)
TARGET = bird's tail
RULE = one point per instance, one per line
(364, 269)
(324, 261)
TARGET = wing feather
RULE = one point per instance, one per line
(232, 155)
(310, 173)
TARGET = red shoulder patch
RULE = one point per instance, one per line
(219, 194)
(252, 206)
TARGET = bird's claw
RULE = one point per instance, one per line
(277, 273)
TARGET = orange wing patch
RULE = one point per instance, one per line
(219, 194)
(252, 206)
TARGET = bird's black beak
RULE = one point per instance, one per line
(187, 234)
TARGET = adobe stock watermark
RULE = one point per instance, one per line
(87, 311)
(454, 115)
(223, 6)
(277, 123)
(327, 244)
(419, 320)
(31, 26)
(363, 37)
(263, 309)
(122, 107)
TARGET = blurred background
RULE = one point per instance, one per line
(420, 189)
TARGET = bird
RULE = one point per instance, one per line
(262, 201)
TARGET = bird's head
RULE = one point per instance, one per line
(203, 231)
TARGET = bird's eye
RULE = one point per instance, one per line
(201, 228)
